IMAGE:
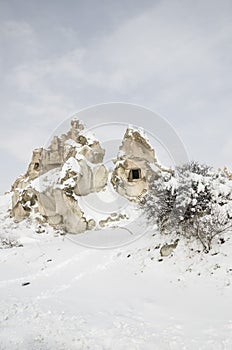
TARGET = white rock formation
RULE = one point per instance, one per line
(58, 177)
(70, 167)
(133, 170)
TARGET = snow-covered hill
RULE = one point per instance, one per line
(58, 294)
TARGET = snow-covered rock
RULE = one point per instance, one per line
(133, 166)
(70, 167)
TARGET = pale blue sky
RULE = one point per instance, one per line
(56, 57)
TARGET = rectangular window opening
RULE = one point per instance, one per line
(134, 174)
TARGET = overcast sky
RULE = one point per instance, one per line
(56, 57)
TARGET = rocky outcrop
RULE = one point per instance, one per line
(133, 170)
(70, 167)
(23, 200)
(136, 145)
(61, 210)
(113, 218)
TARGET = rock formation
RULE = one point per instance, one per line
(167, 249)
(70, 167)
(133, 166)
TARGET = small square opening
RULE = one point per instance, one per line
(134, 174)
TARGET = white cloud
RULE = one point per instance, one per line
(157, 47)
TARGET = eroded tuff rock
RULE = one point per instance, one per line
(70, 167)
(134, 165)
(23, 200)
(61, 210)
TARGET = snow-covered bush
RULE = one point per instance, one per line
(159, 203)
(194, 201)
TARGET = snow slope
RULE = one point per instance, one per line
(112, 299)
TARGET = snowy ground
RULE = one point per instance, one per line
(113, 299)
